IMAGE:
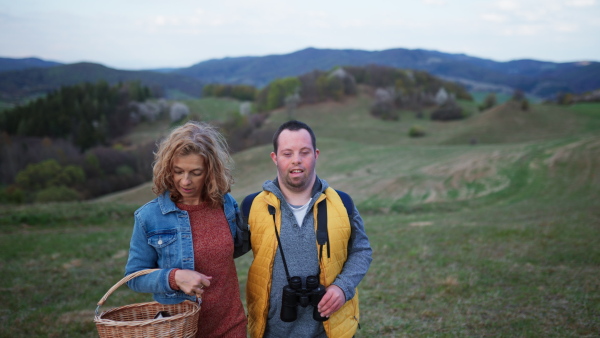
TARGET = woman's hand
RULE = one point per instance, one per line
(192, 282)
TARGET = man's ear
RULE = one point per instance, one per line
(274, 158)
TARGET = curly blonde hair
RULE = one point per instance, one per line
(201, 139)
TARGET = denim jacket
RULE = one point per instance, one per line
(162, 238)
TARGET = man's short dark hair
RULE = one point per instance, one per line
(293, 125)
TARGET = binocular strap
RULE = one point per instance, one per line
(287, 272)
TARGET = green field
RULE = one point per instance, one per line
(496, 238)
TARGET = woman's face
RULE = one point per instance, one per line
(189, 175)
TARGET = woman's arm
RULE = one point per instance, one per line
(143, 256)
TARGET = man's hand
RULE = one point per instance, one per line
(332, 301)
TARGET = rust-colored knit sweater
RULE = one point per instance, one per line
(222, 313)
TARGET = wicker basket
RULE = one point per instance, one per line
(137, 320)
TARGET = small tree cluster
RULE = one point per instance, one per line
(565, 99)
(312, 87)
(521, 99)
(238, 92)
(273, 96)
(49, 179)
(410, 89)
(411, 85)
(489, 102)
(569, 98)
(449, 111)
(291, 104)
(383, 107)
(246, 131)
(49, 173)
(178, 111)
(148, 111)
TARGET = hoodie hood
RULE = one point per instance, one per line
(318, 188)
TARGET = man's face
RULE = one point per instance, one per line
(295, 160)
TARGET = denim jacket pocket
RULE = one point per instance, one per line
(162, 238)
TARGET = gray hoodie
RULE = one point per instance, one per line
(300, 250)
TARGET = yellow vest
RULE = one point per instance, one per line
(342, 323)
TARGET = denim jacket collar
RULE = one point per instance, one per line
(165, 203)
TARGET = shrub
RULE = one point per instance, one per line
(447, 112)
(49, 173)
(38, 175)
(384, 111)
(124, 170)
(107, 160)
(238, 92)
(11, 194)
(278, 90)
(489, 101)
(518, 95)
(57, 194)
(416, 131)
(383, 107)
(69, 175)
(178, 111)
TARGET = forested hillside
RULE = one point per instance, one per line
(65, 146)
(87, 114)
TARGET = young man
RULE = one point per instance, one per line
(283, 220)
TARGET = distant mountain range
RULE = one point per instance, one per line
(538, 78)
(17, 85)
(7, 64)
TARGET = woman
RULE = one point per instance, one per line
(189, 231)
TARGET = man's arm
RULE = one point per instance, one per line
(359, 258)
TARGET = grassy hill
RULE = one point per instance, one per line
(377, 160)
(498, 238)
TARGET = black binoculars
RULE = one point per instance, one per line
(294, 294)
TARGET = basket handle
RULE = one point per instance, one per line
(121, 282)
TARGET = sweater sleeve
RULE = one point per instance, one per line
(359, 258)
(172, 282)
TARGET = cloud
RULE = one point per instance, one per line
(581, 3)
(566, 27)
(434, 2)
(491, 17)
(160, 20)
(523, 30)
(507, 5)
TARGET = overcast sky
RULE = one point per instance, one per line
(143, 34)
